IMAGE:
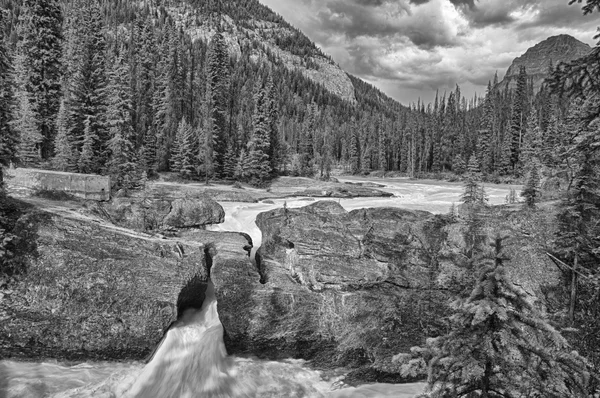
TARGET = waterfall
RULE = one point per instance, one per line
(191, 361)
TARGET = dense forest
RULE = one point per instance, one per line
(126, 89)
(133, 89)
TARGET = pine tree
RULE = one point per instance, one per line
(65, 158)
(217, 97)
(8, 137)
(42, 45)
(307, 152)
(518, 116)
(504, 165)
(531, 190)
(473, 167)
(87, 158)
(499, 345)
(578, 236)
(532, 141)
(240, 168)
(458, 164)
(87, 99)
(474, 193)
(230, 161)
(25, 122)
(354, 154)
(258, 164)
(122, 164)
(177, 149)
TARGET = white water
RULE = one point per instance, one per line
(192, 362)
(433, 196)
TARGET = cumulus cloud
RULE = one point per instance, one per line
(410, 48)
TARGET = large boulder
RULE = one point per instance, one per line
(91, 290)
(190, 213)
(356, 288)
(159, 212)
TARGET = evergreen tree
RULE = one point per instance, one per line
(504, 166)
(217, 97)
(230, 161)
(25, 122)
(258, 163)
(87, 105)
(353, 152)
(177, 149)
(8, 138)
(240, 169)
(578, 236)
(518, 116)
(122, 164)
(307, 152)
(532, 141)
(474, 193)
(531, 190)
(42, 45)
(87, 159)
(66, 157)
(458, 164)
(499, 345)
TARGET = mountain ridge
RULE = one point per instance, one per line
(542, 56)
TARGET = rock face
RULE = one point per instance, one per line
(315, 67)
(538, 59)
(355, 288)
(93, 290)
(158, 212)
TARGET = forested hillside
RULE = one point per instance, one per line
(229, 90)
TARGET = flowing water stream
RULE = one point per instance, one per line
(191, 361)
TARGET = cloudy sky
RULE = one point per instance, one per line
(410, 48)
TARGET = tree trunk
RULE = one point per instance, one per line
(573, 292)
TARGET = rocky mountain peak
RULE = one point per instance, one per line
(538, 59)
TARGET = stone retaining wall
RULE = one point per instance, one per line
(86, 186)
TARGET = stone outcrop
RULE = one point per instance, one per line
(539, 58)
(92, 290)
(159, 212)
(356, 288)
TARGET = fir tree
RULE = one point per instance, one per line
(217, 97)
(8, 138)
(240, 169)
(499, 345)
(87, 158)
(504, 166)
(177, 148)
(25, 122)
(87, 105)
(230, 161)
(257, 162)
(518, 116)
(458, 165)
(122, 164)
(65, 158)
(532, 141)
(474, 192)
(578, 236)
(531, 190)
(353, 152)
(42, 44)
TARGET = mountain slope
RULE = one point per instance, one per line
(540, 58)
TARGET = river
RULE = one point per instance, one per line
(192, 361)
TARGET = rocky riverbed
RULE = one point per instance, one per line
(336, 287)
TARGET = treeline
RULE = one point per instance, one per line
(129, 90)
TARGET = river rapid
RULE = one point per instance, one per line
(191, 361)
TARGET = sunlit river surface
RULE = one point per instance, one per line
(192, 362)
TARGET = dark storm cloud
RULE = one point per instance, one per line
(410, 48)
(380, 19)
